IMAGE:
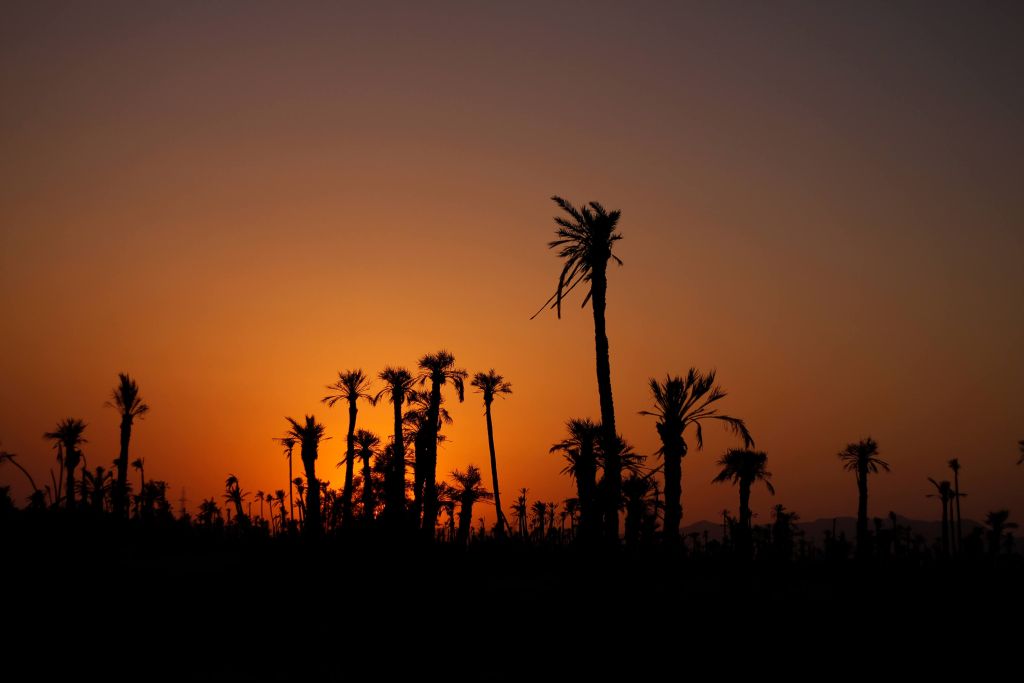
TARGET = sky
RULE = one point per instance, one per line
(233, 201)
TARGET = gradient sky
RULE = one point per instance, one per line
(232, 201)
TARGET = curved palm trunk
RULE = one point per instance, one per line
(862, 511)
(494, 471)
(430, 463)
(346, 492)
(612, 467)
(396, 487)
(367, 490)
(673, 496)
(120, 488)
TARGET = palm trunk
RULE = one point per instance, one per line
(612, 465)
(430, 462)
(862, 511)
(418, 471)
(291, 483)
(959, 528)
(346, 492)
(367, 490)
(396, 489)
(494, 471)
(120, 487)
(69, 471)
(744, 535)
(586, 491)
(465, 523)
(312, 524)
(945, 524)
(673, 495)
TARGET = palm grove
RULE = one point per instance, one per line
(378, 496)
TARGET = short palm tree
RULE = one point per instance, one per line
(68, 437)
(744, 467)
(288, 443)
(367, 445)
(234, 495)
(398, 382)
(680, 402)
(351, 386)
(944, 492)
(491, 384)
(862, 459)
(584, 240)
(954, 465)
(438, 369)
(308, 435)
(140, 465)
(520, 512)
(468, 489)
(127, 401)
(997, 523)
(580, 451)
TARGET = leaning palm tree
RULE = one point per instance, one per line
(678, 403)
(398, 382)
(580, 452)
(233, 494)
(491, 384)
(584, 242)
(862, 459)
(309, 435)
(10, 457)
(367, 444)
(954, 465)
(997, 523)
(351, 386)
(438, 369)
(744, 467)
(468, 489)
(944, 492)
(289, 444)
(68, 437)
(127, 401)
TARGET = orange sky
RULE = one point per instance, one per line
(232, 202)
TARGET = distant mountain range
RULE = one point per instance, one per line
(815, 531)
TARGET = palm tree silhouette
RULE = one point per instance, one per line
(289, 444)
(520, 511)
(944, 492)
(491, 384)
(635, 492)
(10, 457)
(351, 386)
(539, 510)
(68, 437)
(580, 452)
(95, 487)
(954, 465)
(997, 523)
(678, 403)
(233, 494)
(367, 444)
(279, 497)
(398, 383)
(468, 489)
(309, 435)
(125, 398)
(584, 241)
(744, 467)
(209, 512)
(417, 432)
(439, 369)
(140, 465)
(862, 459)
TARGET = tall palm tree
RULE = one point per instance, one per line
(126, 399)
(68, 437)
(678, 403)
(744, 467)
(438, 369)
(954, 465)
(398, 383)
(584, 241)
(309, 435)
(580, 452)
(418, 432)
(944, 492)
(351, 386)
(367, 444)
(862, 459)
(289, 444)
(491, 384)
(469, 489)
(998, 523)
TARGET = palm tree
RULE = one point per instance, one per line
(539, 509)
(398, 383)
(209, 512)
(635, 492)
(580, 451)
(308, 436)
(10, 457)
(585, 241)
(862, 458)
(439, 369)
(233, 494)
(419, 434)
(520, 511)
(944, 492)
(744, 467)
(68, 437)
(289, 444)
(351, 386)
(998, 524)
(954, 465)
(279, 497)
(468, 490)
(367, 444)
(491, 384)
(126, 399)
(678, 403)
(140, 465)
